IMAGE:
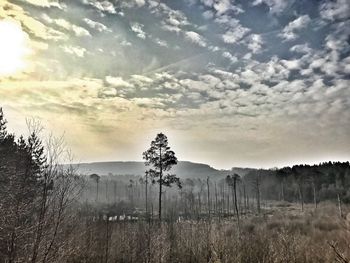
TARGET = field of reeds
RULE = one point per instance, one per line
(281, 234)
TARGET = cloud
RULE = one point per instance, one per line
(254, 43)
(234, 30)
(302, 48)
(32, 26)
(227, 22)
(140, 2)
(171, 17)
(96, 25)
(117, 82)
(131, 4)
(208, 2)
(337, 38)
(75, 50)
(148, 102)
(335, 10)
(195, 38)
(125, 43)
(171, 20)
(103, 6)
(161, 42)
(291, 64)
(46, 3)
(140, 79)
(232, 36)
(222, 6)
(176, 21)
(289, 32)
(77, 30)
(208, 14)
(272, 70)
(228, 55)
(276, 6)
(138, 29)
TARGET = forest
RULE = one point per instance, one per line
(49, 212)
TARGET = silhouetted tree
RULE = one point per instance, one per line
(208, 197)
(232, 180)
(35, 192)
(257, 184)
(20, 172)
(161, 159)
(96, 178)
(3, 131)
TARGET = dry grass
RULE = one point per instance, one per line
(285, 236)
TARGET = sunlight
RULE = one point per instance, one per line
(13, 47)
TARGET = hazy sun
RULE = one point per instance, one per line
(13, 47)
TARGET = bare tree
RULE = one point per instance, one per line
(96, 178)
(256, 185)
(208, 197)
(232, 181)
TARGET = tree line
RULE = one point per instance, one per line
(36, 194)
(228, 196)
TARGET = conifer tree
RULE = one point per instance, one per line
(161, 159)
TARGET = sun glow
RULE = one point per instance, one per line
(13, 47)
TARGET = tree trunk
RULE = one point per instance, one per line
(314, 190)
(258, 193)
(115, 192)
(107, 239)
(199, 204)
(146, 195)
(301, 197)
(96, 191)
(222, 207)
(228, 202)
(208, 194)
(248, 204)
(235, 192)
(107, 199)
(245, 199)
(339, 206)
(39, 228)
(160, 186)
(216, 200)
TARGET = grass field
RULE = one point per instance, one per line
(282, 233)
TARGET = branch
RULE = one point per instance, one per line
(339, 256)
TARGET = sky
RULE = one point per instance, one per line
(250, 83)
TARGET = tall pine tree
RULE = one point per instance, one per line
(160, 158)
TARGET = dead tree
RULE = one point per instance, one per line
(208, 196)
(232, 181)
(96, 178)
(257, 184)
(115, 191)
(216, 200)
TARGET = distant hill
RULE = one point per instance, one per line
(183, 169)
(242, 171)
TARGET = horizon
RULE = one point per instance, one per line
(219, 168)
(255, 83)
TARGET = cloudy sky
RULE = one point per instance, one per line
(258, 83)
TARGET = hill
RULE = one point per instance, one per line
(183, 169)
